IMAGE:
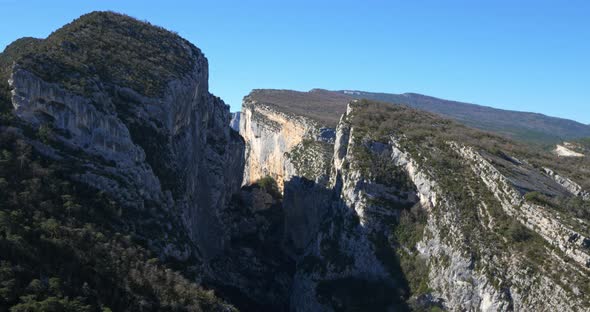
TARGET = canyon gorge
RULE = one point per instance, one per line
(128, 186)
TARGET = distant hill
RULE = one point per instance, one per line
(323, 106)
(531, 127)
(327, 107)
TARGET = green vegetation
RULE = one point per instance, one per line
(518, 232)
(407, 233)
(377, 166)
(574, 206)
(584, 143)
(425, 137)
(527, 127)
(106, 48)
(68, 247)
(311, 159)
(410, 228)
(269, 185)
(424, 134)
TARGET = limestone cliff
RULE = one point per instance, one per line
(359, 206)
(473, 262)
(273, 134)
(234, 123)
(169, 151)
(270, 135)
(417, 212)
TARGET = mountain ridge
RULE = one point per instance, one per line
(531, 126)
(115, 131)
(392, 171)
(324, 105)
(124, 187)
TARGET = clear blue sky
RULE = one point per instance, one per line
(521, 55)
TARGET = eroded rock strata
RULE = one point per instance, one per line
(316, 204)
(160, 149)
(434, 222)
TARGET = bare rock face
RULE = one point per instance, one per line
(571, 186)
(564, 151)
(433, 226)
(269, 135)
(234, 123)
(174, 152)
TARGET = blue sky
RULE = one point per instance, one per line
(520, 55)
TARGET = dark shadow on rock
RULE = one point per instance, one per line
(253, 272)
(316, 215)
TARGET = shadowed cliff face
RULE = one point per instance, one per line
(416, 212)
(119, 111)
(164, 145)
(365, 207)
(341, 258)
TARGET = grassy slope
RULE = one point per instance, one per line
(530, 127)
(425, 136)
(425, 129)
(327, 106)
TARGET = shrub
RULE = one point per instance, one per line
(269, 185)
(518, 232)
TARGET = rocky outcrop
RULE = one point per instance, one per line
(284, 138)
(268, 134)
(175, 152)
(572, 187)
(234, 123)
(386, 209)
(460, 281)
(564, 151)
(345, 235)
(535, 217)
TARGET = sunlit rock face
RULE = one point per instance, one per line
(376, 207)
(289, 133)
(472, 230)
(269, 135)
(565, 151)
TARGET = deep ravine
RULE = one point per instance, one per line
(148, 194)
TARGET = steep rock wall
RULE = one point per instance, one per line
(270, 134)
(535, 217)
(349, 230)
(467, 269)
(176, 151)
(349, 248)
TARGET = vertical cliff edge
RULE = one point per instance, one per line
(124, 186)
(404, 210)
(122, 108)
